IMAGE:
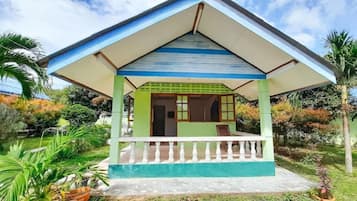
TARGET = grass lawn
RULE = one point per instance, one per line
(91, 157)
(28, 143)
(344, 186)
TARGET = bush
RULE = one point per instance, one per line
(84, 138)
(10, 122)
(37, 114)
(78, 115)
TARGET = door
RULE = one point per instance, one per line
(159, 120)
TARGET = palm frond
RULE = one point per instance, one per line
(12, 71)
(17, 41)
(13, 178)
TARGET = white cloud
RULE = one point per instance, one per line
(276, 4)
(304, 38)
(59, 23)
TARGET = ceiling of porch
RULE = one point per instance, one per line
(94, 61)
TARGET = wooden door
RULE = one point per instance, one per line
(159, 120)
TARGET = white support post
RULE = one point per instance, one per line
(207, 152)
(194, 152)
(157, 152)
(246, 147)
(252, 150)
(259, 149)
(241, 150)
(132, 152)
(230, 151)
(218, 151)
(145, 152)
(182, 152)
(171, 152)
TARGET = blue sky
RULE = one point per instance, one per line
(59, 23)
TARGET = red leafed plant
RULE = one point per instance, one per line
(324, 189)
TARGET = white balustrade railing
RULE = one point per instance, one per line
(248, 148)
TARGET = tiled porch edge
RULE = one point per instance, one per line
(217, 169)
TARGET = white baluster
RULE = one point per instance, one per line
(241, 150)
(218, 151)
(157, 152)
(171, 151)
(259, 148)
(208, 152)
(182, 152)
(145, 152)
(252, 150)
(132, 152)
(194, 152)
(246, 146)
(230, 151)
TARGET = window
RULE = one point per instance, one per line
(204, 108)
(227, 108)
(182, 108)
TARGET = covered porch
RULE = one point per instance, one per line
(185, 50)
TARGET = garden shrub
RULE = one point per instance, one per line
(78, 115)
(37, 114)
(84, 138)
(297, 126)
(10, 123)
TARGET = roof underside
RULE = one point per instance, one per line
(156, 47)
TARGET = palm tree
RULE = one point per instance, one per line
(343, 54)
(18, 61)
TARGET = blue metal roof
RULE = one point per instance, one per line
(13, 87)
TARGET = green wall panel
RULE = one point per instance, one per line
(142, 105)
(224, 169)
(185, 88)
(196, 129)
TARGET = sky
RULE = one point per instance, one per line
(59, 23)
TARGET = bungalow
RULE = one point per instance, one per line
(184, 62)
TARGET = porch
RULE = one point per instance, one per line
(284, 181)
(223, 156)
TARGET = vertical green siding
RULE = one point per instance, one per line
(117, 113)
(142, 107)
(266, 128)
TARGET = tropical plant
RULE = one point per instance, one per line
(84, 138)
(78, 115)
(35, 175)
(343, 54)
(18, 61)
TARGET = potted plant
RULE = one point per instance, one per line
(84, 180)
(324, 189)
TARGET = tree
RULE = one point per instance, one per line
(343, 54)
(18, 61)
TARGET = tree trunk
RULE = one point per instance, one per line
(345, 130)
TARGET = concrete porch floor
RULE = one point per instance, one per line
(283, 181)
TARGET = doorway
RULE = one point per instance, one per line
(163, 115)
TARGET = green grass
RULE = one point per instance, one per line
(344, 186)
(28, 143)
(91, 157)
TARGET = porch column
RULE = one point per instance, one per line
(117, 113)
(266, 128)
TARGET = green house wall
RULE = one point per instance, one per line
(142, 108)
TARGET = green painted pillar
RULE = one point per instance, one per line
(117, 113)
(266, 127)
